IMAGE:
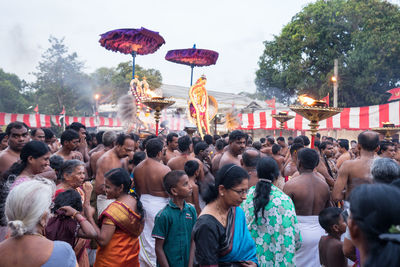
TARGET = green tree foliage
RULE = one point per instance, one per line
(363, 35)
(115, 81)
(61, 82)
(12, 97)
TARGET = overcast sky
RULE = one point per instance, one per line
(235, 29)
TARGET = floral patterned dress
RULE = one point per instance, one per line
(277, 235)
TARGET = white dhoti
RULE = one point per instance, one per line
(102, 203)
(152, 205)
(311, 232)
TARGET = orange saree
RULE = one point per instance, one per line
(123, 248)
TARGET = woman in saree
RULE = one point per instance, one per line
(120, 223)
(271, 218)
(220, 233)
(35, 157)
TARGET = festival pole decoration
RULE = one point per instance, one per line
(282, 117)
(202, 107)
(134, 42)
(158, 104)
(314, 111)
(388, 129)
(192, 57)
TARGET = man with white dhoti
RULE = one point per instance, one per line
(310, 195)
(148, 179)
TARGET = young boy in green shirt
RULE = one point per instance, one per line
(174, 223)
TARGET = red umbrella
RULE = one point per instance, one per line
(192, 57)
(132, 41)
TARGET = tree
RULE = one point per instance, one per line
(12, 97)
(116, 81)
(363, 35)
(61, 82)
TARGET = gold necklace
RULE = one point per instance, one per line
(37, 234)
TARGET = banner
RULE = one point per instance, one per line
(357, 118)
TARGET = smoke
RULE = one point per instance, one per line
(20, 55)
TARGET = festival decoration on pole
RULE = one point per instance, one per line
(158, 104)
(388, 129)
(314, 111)
(135, 42)
(282, 117)
(192, 57)
(199, 106)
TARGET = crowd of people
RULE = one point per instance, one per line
(115, 199)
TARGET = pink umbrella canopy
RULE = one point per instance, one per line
(132, 41)
(127, 41)
(192, 57)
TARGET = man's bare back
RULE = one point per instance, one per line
(280, 160)
(215, 163)
(345, 156)
(72, 155)
(95, 157)
(351, 174)
(148, 177)
(108, 161)
(169, 155)
(310, 194)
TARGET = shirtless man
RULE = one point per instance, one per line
(326, 166)
(268, 149)
(17, 136)
(249, 162)
(237, 144)
(148, 179)
(37, 134)
(117, 157)
(290, 167)
(114, 158)
(100, 145)
(185, 146)
(82, 145)
(3, 141)
(355, 172)
(387, 150)
(219, 148)
(310, 195)
(108, 140)
(69, 142)
(343, 145)
(201, 153)
(276, 155)
(285, 149)
(172, 146)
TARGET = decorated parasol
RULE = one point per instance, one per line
(132, 41)
(192, 57)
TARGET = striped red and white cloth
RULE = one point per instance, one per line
(357, 118)
(41, 120)
(175, 122)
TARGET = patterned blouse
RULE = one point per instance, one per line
(277, 235)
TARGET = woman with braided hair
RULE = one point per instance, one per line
(271, 218)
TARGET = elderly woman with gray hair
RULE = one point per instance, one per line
(27, 211)
(385, 170)
(72, 176)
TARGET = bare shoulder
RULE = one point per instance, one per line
(172, 160)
